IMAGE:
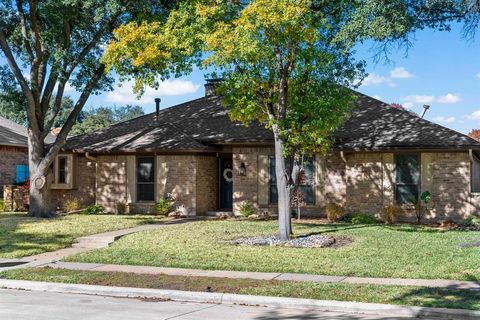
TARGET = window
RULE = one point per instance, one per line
(64, 173)
(407, 178)
(306, 187)
(62, 170)
(145, 179)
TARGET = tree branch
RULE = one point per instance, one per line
(23, 23)
(62, 136)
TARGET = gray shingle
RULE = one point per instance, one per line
(201, 124)
(12, 134)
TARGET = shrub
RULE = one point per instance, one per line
(164, 206)
(121, 208)
(391, 213)
(246, 209)
(359, 218)
(72, 205)
(421, 205)
(94, 209)
(471, 221)
(2, 206)
(334, 212)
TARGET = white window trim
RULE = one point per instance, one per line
(69, 172)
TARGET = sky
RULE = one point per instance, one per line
(441, 69)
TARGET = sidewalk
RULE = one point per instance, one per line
(447, 284)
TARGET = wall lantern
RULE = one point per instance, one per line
(242, 170)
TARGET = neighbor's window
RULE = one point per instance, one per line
(306, 187)
(407, 178)
(64, 171)
(145, 179)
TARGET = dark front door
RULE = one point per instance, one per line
(226, 184)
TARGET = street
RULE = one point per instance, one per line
(36, 305)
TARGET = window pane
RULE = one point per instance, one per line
(145, 171)
(146, 192)
(273, 194)
(308, 194)
(308, 168)
(407, 169)
(62, 166)
(406, 193)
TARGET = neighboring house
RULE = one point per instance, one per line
(13, 153)
(382, 155)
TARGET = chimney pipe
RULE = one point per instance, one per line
(210, 86)
(425, 108)
(157, 104)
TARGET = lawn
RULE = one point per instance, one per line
(416, 296)
(402, 251)
(21, 235)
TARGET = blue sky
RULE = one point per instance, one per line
(441, 69)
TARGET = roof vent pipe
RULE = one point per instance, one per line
(425, 108)
(157, 105)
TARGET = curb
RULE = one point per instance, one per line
(236, 299)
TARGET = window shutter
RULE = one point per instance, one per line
(131, 172)
(263, 180)
(388, 178)
(162, 172)
(319, 181)
(427, 172)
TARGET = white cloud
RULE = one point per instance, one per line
(401, 73)
(442, 119)
(374, 79)
(377, 97)
(407, 105)
(475, 115)
(69, 88)
(124, 93)
(448, 98)
(419, 99)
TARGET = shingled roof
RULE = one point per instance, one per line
(12, 134)
(203, 124)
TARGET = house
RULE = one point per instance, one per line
(13, 153)
(381, 155)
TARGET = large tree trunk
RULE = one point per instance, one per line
(40, 179)
(283, 190)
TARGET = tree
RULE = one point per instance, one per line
(475, 134)
(60, 42)
(12, 101)
(286, 64)
(103, 117)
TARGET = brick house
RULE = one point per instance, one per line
(13, 153)
(382, 155)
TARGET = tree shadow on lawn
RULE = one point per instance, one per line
(331, 228)
(32, 243)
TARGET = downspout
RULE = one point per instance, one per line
(473, 157)
(89, 157)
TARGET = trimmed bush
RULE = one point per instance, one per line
(334, 211)
(94, 209)
(164, 206)
(246, 209)
(359, 218)
(72, 205)
(391, 213)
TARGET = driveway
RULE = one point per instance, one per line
(35, 305)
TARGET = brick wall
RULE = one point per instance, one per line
(84, 188)
(111, 186)
(10, 157)
(206, 184)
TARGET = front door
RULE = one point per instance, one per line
(226, 184)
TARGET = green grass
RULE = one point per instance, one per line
(376, 251)
(416, 296)
(21, 235)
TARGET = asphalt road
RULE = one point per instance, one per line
(36, 305)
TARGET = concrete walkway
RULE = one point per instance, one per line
(447, 284)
